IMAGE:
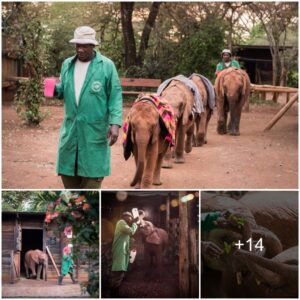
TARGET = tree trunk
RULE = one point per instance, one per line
(147, 31)
(128, 33)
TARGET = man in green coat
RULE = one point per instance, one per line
(226, 62)
(90, 87)
(67, 266)
(125, 228)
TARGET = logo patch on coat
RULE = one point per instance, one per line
(96, 86)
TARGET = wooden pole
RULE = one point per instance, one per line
(193, 254)
(168, 214)
(54, 264)
(183, 249)
(281, 112)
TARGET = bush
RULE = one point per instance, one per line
(292, 79)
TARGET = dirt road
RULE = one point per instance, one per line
(256, 159)
(29, 288)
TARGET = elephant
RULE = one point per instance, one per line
(201, 120)
(250, 275)
(155, 244)
(181, 99)
(35, 258)
(147, 142)
(232, 88)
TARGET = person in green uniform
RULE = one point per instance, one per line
(90, 87)
(125, 228)
(226, 62)
(67, 266)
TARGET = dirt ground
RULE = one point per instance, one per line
(137, 285)
(29, 288)
(255, 159)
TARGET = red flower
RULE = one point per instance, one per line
(68, 230)
(85, 206)
(50, 206)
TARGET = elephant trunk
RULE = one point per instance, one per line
(285, 271)
(141, 153)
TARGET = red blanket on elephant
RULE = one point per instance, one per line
(166, 121)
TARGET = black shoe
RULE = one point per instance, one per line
(73, 280)
(60, 279)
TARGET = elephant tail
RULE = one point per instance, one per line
(141, 153)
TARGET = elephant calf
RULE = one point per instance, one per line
(33, 259)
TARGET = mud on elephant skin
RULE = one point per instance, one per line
(232, 88)
(36, 259)
(148, 144)
(181, 98)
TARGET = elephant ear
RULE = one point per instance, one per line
(246, 84)
(153, 238)
(35, 257)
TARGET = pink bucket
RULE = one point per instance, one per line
(49, 87)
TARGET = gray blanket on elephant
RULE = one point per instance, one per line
(211, 96)
(198, 104)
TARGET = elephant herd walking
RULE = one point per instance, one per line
(185, 104)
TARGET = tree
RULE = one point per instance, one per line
(276, 19)
(30, 46)
(132, 58)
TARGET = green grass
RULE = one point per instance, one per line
(256, 100)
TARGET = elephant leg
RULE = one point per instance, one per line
(167, 160)
(135, 155)
(33, 271)
(39, 269)
(234, 119)
(179, 148)
(189, 139)
(151, 159)
(196, 130)
(156, 178)
(27, 272)
(222, 115)
(209, 113)
(201, 132)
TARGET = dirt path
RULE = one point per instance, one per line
(29, 288)
(256, 159)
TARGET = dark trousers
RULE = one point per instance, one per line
(116, 281)
(78, 182)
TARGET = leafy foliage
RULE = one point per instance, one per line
(81, 212)
(31, 43)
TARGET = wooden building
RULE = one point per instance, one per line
(23, 231)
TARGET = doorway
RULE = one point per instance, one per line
(32, 239)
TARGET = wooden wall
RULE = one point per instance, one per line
(52, 238)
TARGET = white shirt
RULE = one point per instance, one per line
(79, 77)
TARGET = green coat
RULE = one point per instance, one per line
(221, 66)
(120, 247)
(66, 265)
(85, 126)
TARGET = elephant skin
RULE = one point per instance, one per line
(201, 121)
(149, 146)
(33, 259)
(180, 97)
(268, 278)
(232, 88)
(155, 245)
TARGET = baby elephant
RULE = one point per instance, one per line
(35, 258)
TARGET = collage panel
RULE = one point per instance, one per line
(149, 244)
(50, 244)
(249, 244)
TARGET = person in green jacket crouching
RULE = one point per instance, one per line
(90, 86)
(226, 62)
(125, 228)
(67, 266)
